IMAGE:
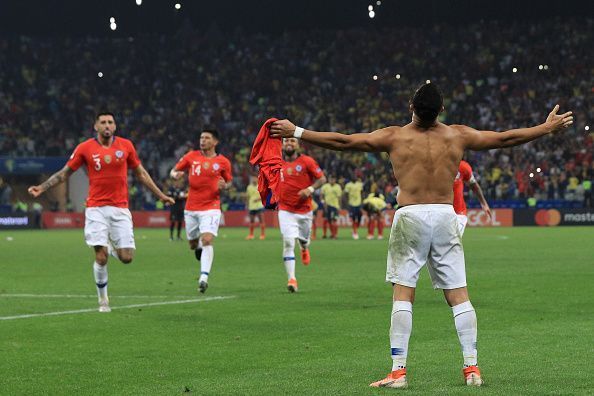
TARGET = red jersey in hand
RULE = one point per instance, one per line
(464, 176)
(107, 168)
(204, 174)
(296, 176)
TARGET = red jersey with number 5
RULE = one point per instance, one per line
(204, 174)
(464, 176)
(107, 168)
(296, 176)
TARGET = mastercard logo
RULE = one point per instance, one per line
(547, 217)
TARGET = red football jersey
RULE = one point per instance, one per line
(295, 176)
(204, 174)
(464, 176)
(107, 168)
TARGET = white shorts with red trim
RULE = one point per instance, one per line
(105, 225)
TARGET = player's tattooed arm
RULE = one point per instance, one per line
(376, 141)
(55, 179)
(143, 176)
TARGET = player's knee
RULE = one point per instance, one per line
(207, 239)
(126, 255)
(288, 243)
(101, 256)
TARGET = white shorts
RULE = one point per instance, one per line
(462, 221)
(201, 221)
(106, 225)
(426, 234)
(295, 225)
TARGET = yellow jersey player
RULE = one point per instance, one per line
(353, 190)
(374, 204)
(255, 208)
(331, 196)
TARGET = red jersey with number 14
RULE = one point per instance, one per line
(204, 174)
(464, 176)
(296, 176)
(107, 168)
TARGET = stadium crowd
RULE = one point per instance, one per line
(164, 89)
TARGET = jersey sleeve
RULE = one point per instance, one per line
(226, 171)
(77, 158)
(133, 160)
(466, 172)
(182, 164)
(314, 169)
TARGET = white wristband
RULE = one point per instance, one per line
(311, 189)
(298, 132)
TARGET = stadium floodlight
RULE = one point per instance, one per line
(112, 20)
(371, 14)
(397, 76)
(99, 74)
(113, 26)
(177, 6)
(515, 70)
(370, 8)
(538, 170)
(375, 76)
(138, 2)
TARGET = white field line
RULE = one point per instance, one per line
(77, 311)
(27, 295)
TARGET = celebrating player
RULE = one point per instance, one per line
(465, 176)
(353, 189)
(208, 173)
(108, 222)
(177, 190)
(300, 177)
(255, 207)
(331, 196)
(425, 156)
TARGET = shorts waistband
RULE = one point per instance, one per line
(426, 208)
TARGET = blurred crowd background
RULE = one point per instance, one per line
(165, 88)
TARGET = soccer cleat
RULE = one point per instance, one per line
(472, 376)
(370, 237)
(249, 237)
(380, 237)
(104, 305)
(396, 379)
(198, 253)
(305, 257)
(355, 236)
(262, 237)
(292, 285)
(202, 286)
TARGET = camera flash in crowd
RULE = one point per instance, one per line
(515, 70)
(138, 2)
(397, 76)
(370, 8)
(371, 14)
(375, 76)
(531, 175)
(100, 74)
(177, 6)
(587, 128)
(538, 170)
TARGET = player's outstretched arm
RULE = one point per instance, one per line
(485, 140)
(143, 176)
(374, 142)
(55, 179)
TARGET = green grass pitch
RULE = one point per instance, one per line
(533, 289)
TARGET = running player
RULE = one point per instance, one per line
(300, 177)
(465, 176)
(425, 156)
(108, 222)
(331, 196)
(354, 189)
(208, 174)
(255, 207)
(177, 190)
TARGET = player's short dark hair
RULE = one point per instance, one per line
(427, 102)
(212, 131)
(104, 113)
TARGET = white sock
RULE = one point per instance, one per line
(206, 262)
(289, 256)
(400, 333)
(465, 320)
(100, 272)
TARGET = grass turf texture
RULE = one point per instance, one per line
(531, 287)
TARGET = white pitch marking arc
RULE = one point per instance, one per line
(29, 295)
(77, 311)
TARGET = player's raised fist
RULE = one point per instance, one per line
(35, 191)
(558, 122)
(282, 129)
